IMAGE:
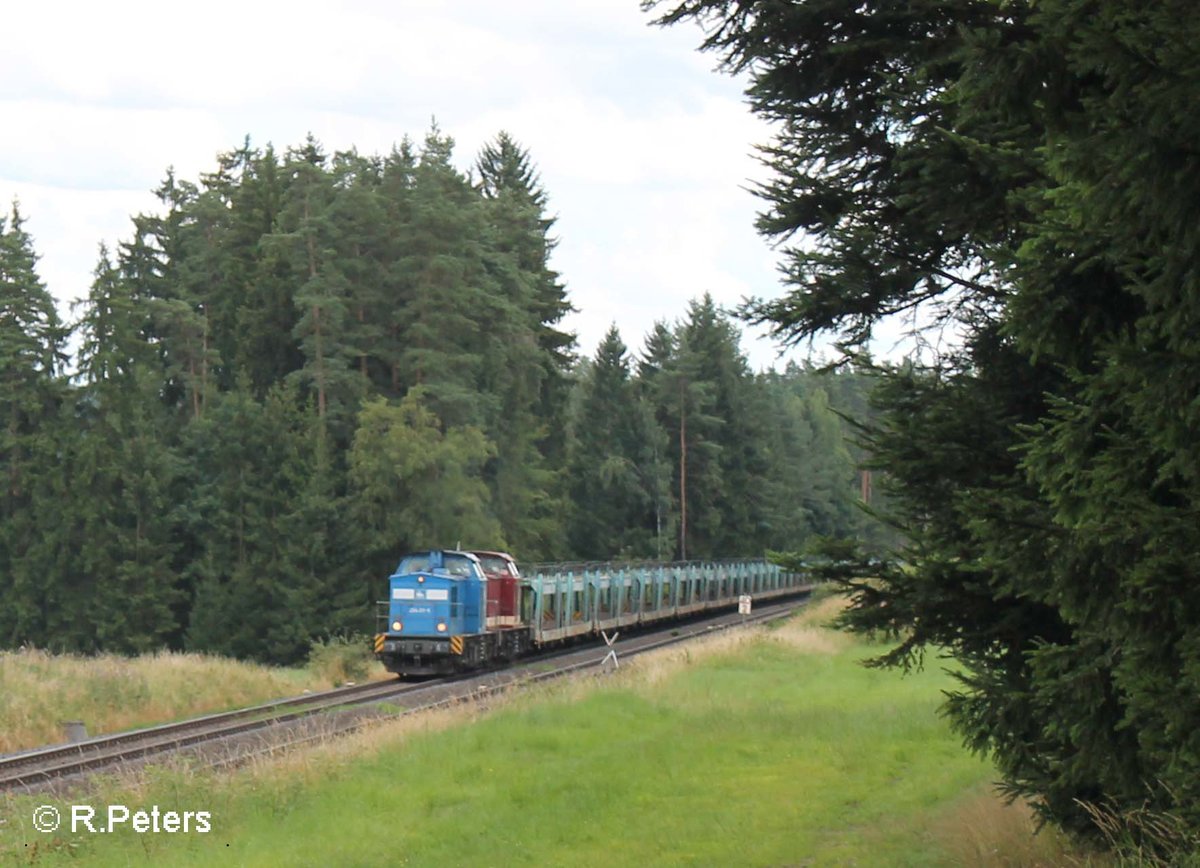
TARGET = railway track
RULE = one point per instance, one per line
(288, 723)
(23, 769)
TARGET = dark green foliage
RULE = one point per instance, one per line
(444, 316)
(323, 329)
(309, 362)
(121, 590)
(508, 179)
(612, 469)
(416, 486)
(31, 395)
(248, 470)
(1026, 175)
(528, 355)
(811, 471)
(696, 457)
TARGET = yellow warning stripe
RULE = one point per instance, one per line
(456, 644)
(379, 637)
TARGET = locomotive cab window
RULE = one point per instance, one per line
(413, 564)
(499, 566)
(460, 567)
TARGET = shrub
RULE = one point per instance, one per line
(341, 659)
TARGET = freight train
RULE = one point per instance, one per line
(450, 611)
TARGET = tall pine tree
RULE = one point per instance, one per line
(31, 398)
(1023, 174)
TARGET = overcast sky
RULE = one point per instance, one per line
(645, 151)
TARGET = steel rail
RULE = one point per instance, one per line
(61, 760)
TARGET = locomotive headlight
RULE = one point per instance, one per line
(441, 627)
(397, 626)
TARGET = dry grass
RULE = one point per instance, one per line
(39, 691)
(809, 639)
(986, 830)
(1147, 837)
(646, 671)
(821, 611)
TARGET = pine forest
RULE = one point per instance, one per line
(303, 364)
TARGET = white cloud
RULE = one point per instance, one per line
(643, 149)
(98, 148)
(68, 225)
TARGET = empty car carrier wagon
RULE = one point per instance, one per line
(446, 613)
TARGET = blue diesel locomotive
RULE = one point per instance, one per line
(446, 613)
(437, 617)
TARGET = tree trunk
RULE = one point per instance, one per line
(312, 274)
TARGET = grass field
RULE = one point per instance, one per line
(772, 747)
(39, 691)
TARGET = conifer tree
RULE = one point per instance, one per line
(248, 466)
(1023, 174)
(741, 461)
(663, 519)
(122, 590)
(397, 279)
(509, 180)
(442, 323)
(683, 401)
(357, 212)
(177, 289)
(528, 356)
(31, 395)
(324, 328)
(263, 347)
(609, 489)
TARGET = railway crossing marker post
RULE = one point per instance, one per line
(612, 654)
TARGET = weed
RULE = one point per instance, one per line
(109, 693)
(1146, 837)
(341, 659)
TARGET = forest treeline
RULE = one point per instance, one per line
(304, 363)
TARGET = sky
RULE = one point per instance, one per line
(646, 151)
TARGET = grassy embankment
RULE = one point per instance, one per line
(38, 691)
(771, 747)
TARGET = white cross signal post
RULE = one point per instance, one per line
(612, 654)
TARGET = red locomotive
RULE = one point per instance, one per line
(503, 589)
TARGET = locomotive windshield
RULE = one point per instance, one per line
(498, 566)
(457, 566)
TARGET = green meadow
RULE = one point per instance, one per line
(771, 747)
